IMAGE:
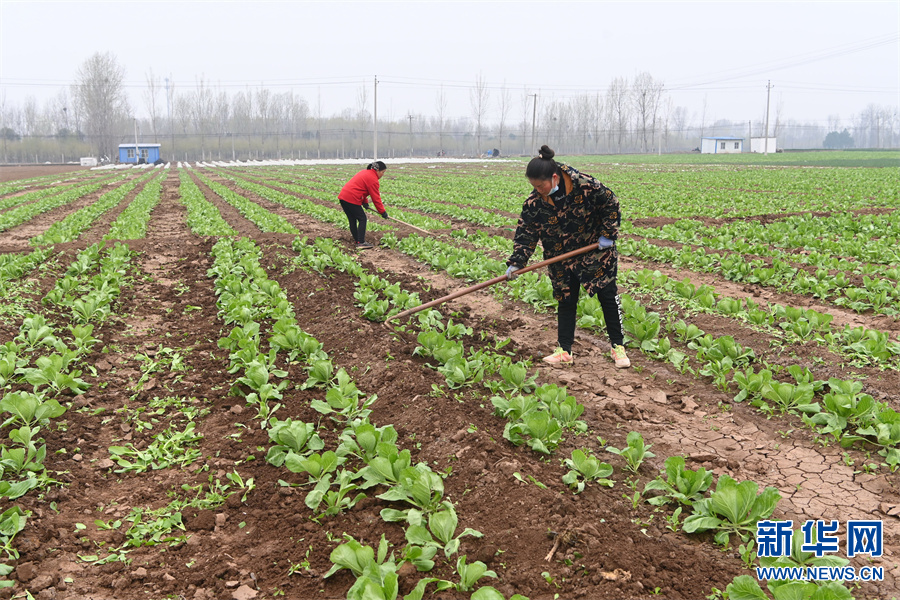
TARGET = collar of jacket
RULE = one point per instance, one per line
(567, 173)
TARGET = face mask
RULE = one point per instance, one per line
(554, 190)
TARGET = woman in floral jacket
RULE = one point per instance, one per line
(566, 211)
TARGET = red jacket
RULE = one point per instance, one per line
(360, 187)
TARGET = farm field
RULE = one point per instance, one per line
(201, 400)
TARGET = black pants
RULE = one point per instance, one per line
(612, 314)
(356, 215)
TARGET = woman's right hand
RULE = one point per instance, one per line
(511, 272)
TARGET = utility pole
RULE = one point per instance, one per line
(533, 120)
(769, 87)
(135, 142)
(410, 117)
(169, 111)
(375, 123)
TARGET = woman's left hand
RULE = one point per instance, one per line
(604, 242)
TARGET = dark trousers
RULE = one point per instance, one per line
(356, 215)
(612, 314)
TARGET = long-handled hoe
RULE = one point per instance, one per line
(408, 225)
(491, 282)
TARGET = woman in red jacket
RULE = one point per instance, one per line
(355, 194)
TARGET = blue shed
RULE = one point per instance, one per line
(138, 153)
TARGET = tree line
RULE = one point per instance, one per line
(203, 122)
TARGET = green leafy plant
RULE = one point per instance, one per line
(584, 469)
(732, 508)
(440, 530)
(538, 429)
(29, 409)
(291, 436)
(681, 485)
(635, 452)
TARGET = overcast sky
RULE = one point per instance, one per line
(823, 58)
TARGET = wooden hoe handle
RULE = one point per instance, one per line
(493, 281)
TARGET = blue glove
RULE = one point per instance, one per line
(605, 243)
(511, 272)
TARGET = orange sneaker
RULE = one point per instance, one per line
(559, 357)
(618, 355)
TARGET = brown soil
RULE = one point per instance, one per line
(269, 545)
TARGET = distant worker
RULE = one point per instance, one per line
(355, 194)
(566, 211)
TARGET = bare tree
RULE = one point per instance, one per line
(679, 120)
(668, 113)
(526, 117)
(150, 100)
(263, 109)
(362, 117)
(30, 117)
(834, 123)
(5, 130)
(703, 115)
(242, 116)
(479, 99)
(100, 94)
(182, 113)
(279, 115)
(618, 110)
(298, 114)
(201, 112)
(583, 110)
(440, 104)
(779, 110)
(505, 105)
(646, 94)
(221, 115)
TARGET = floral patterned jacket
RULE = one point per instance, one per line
(587, 211)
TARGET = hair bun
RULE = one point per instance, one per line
(546, 152)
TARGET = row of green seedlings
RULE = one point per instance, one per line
(55, 373)
(865, 347)
(40, 194)
(177, 445)
(822, 240)
(300, 205)
(846, 413)
(54, 199)
(131, 224)
(878, 294)
(538, 415)
(431, 521)
(267, 221)
(861, 345)
(409, 194)
(57, 181)
(283, 182)
(203, 217)
(13, 267)
(72, 226)
(390, 468)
